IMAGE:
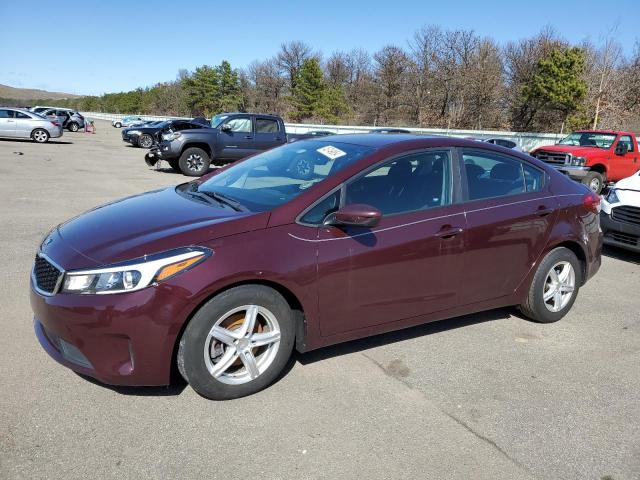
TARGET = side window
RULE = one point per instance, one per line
(627, 140)
(22, 115)
(240, 125)
(266, 125)
(490, 175)
(533, 178)
(6, 113)
(415, 182)
(323, 208)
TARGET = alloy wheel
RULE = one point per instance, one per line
(40, 136)
(145, 141)
(195, 162)
(242, 344)
(594, 185)
(559, 286)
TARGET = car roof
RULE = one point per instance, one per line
(376, 140)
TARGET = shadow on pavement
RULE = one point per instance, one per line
(27, 140)
(621, 254)
(176, 388)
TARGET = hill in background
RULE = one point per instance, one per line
(32, 94)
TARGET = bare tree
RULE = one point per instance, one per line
(291, 57)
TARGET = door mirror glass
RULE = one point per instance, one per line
(622, 148)
(226, 127)
(355, 215)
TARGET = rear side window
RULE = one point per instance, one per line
(266, 125)
(533, 178)
(490, 175)
(22, 115)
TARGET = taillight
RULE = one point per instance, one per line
(591, 202)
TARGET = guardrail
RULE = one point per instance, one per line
(525, 140)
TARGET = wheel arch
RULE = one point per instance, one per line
(290, 297)
(202, 145)
(579, 252)
(600, 168)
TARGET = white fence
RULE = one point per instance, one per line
(526, 140)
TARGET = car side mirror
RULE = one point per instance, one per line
(226, 127)
(354, 215)
(621, 149)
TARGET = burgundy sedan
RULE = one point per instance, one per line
(224, 276)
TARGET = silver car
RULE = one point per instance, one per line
(20, 123)
(70, 119)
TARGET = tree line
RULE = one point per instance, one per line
(439, 79)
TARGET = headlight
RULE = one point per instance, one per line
(135, 274)
(577, 161)
(171, 136)
(612, 196)
(133, 132)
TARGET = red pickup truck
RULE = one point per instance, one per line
(593, 157)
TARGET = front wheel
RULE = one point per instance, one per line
(118, 125)
(595, 182)
(194, 162)
(40, 135)
(554, 287)
(237, 343)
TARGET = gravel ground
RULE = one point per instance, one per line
(483, 396)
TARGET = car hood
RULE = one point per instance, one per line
(143, 224)
(573, 150)
(628, 190)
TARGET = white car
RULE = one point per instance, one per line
(620, 215)
(127, 121)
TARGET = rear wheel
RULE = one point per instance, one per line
(73, 127)
(237, 343)
(40, 135)
(554, 288)
(194, 162)
(118, 125)
(595, 181)
(145, 141)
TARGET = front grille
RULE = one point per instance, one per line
(626, 214)
(556, 158)
(625, 238)
(46, 275)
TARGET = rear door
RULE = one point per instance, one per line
(238, 141)
(510, 213)
(626, 164)
(7, 123)
(267, 134)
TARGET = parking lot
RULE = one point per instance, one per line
(489, 395)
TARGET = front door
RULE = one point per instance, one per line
(510, 213)
(406, 266)
(626, 164)
(236, 137)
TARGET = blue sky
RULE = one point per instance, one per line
(108, 46)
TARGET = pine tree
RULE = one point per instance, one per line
(230, 93)
(203, 91)
(309, 90)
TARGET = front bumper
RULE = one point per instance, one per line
(119, 339)
(620, 234)
(573, 171)
(163, 151)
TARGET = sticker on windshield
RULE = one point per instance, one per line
(331, 152)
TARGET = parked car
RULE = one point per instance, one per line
(620, 215)
(147, 135)
(389, 130)
(21, 123)
(127, 121)
(230, 137)
(593, 157)
(225, 275)
(70, 119)
(294, 137)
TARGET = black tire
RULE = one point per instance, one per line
(175, 165)
(194, 341)
(118, 125)
(145, 141)
(595, 181)
(73, 127)
(194, 162)
(40, 135)
(535, 307)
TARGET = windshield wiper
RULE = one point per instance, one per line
(237, 206)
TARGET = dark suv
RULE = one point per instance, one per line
(230, 137)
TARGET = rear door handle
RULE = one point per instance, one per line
(449, 232)
(543, 211)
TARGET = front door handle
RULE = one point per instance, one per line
(248, 137)
(449, 232)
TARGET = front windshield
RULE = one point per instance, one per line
(217, 120)
(589, 139)
(277, 176)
